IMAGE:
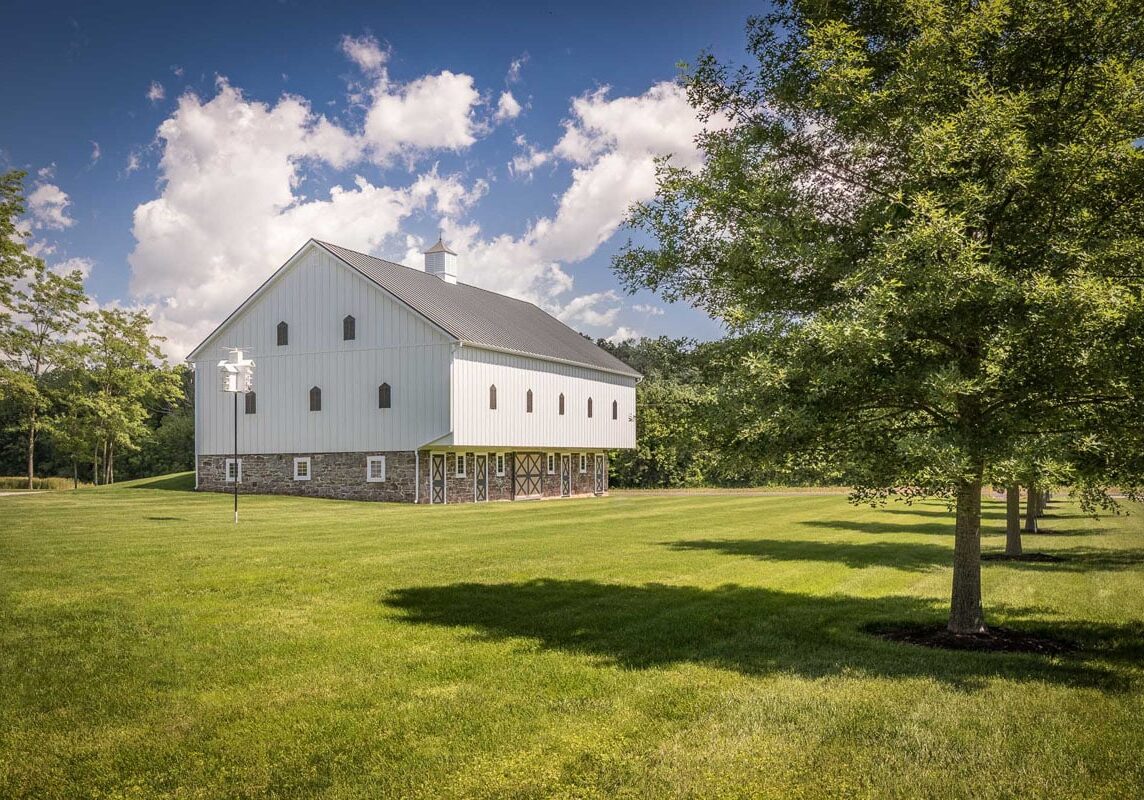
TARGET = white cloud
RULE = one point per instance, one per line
(231, 207)
(507, 107)
(650, 310)
(96, 152)
(365, 52)
(598, 309)
(156, 92)
(83, 265)
(47, 172)
(622, 334)
(48, 205)
(523, 164)
(230, 210)
(177, 70)
(514, 68)
(134, 162)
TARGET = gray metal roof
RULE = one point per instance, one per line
(480, 317)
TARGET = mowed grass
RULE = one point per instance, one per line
(632, 646)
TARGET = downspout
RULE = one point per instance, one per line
(417, 479)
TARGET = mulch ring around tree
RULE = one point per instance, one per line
(994, 640)
(1032, 558)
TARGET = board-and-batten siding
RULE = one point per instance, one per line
(476, 425)
(393, 345)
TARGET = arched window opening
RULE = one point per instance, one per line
(349, 329)
(251, 403)
(589, 406)
(528, 402)
(561, 403)
(383, 396)
(493, 397)
(283, 334)
(615, 410)
(315, 399)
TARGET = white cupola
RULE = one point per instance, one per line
(441, 261)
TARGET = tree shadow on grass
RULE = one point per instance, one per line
(900, 555)
(756, 631)
(181, 482)
(1076, 559)
(924, 528)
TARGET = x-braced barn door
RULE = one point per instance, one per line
(437, 478)
(565, 475)
(598, 488)
(481, 478)
(526, 477)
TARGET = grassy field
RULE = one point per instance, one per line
(634, 646)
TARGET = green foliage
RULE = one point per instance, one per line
(926, 220)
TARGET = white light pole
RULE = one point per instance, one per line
(236, 375)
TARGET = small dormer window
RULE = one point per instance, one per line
(315, 399)
(615, 410)
(349, 329)
(561, 404)
(528, 402)
(493, 397)
(589, 406)
(383, 396)
(283, 334)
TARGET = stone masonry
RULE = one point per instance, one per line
(343, 476)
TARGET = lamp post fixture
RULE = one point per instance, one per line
(236, 375)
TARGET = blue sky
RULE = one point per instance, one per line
(180, 152)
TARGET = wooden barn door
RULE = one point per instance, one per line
(598, 485)
(565, 475)
(437, 478)
(527, 475)
(481, 477)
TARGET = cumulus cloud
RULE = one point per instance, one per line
(365, 52)
(76, 264)
(134, 163)
(231, 209)
(529, 159)
(649, 310)
(598, 309)
(156, 92)
(96, 153)
(507, 107)
(48, 205)
(623, 334)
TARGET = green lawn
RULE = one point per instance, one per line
(636, 646)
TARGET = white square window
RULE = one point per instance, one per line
(583, 462)
(231, 471)
(460, 459)
(302, 469)
(375, 469)
(551, 463)
(500, 464)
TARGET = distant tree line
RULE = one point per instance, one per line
(84, 391)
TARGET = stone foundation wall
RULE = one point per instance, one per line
(343, 476)
(334, 475)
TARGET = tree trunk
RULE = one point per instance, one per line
(965, 614)
(1031, 510)
(32, 450)
(75, 474)
(1042, 503)
(111, 462)
(1013, 520)
(95, 466)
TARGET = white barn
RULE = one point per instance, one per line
(377, 381)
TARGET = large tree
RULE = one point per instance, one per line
(927, 220)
